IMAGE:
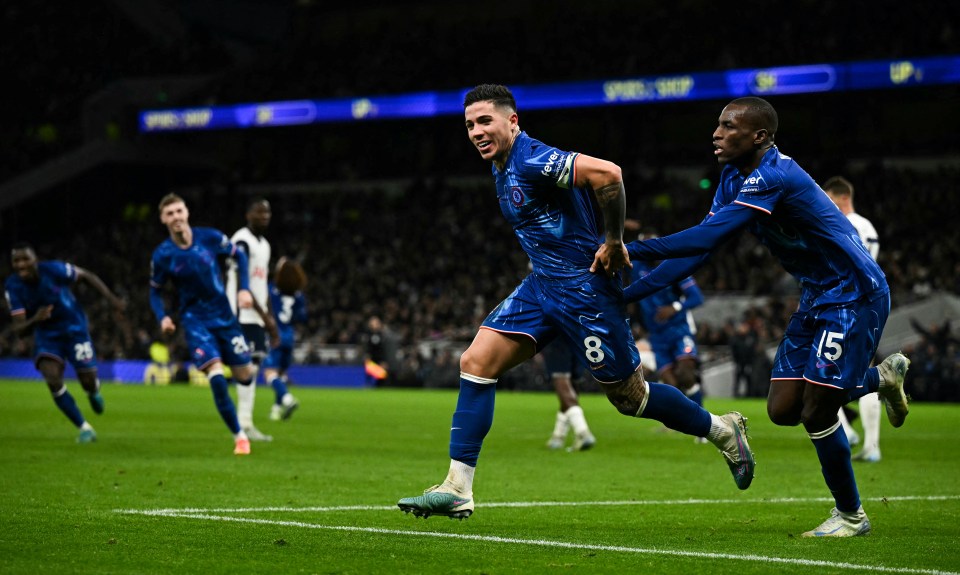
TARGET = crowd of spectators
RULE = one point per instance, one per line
(429, 258)
(430, 254)
(63, 54)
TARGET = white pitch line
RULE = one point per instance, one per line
(523, 504)
(569, 545)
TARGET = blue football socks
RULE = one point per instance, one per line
(221, 397)
(68, 406)
(871, 383)
(279, 389)
(671, 407)
(833, 450)
(695, 394)
(472, 419)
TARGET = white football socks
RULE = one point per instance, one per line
(870, 411)
(577, 420)
(719, 431)
(561, 426)
(245, 400)
(460, 477)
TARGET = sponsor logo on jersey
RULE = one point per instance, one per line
(751, 184)
(551, 166)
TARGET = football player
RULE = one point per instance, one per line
(824, 358)
(556, 201)
(188, 258)
(289, 307)
(39, 296)
(256, 322)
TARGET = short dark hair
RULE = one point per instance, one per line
(762, 112)
(838, 185)
(500, 95)
(256, 201)
(22, 247)
(168, 199)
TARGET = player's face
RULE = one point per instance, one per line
(258, 217)
(491, 130)
(734, 140)
(176, 217)
(24, 264)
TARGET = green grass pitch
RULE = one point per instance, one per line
(161, 491)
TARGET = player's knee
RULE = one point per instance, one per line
(780, 415)
(472, 363)
(243, 374)
(628, 396)
(55, 385)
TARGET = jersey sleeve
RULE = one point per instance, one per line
(546, 163)
(14, 301)
(664, 275)
(62, 272)
(761, 190)
(299, 308)
(219, 242)
(692, 296)
(695, 241)
(241, 246)
(158, 277)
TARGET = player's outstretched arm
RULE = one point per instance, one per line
(21, 323)
(665, 274)
(697, 240)
(94, 280)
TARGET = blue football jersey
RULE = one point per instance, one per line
(679, 323)
(556, 222)
(52, 288)
(287, 311)
(195, 273)
(782, 205)
(804, 229)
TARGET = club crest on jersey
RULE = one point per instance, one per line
(516, 196)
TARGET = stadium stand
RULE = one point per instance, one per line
(377, 210)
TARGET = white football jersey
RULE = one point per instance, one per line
(258, 256)
(868, 234)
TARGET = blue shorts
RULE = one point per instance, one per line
(74, 346)
(207, 345)
(673, 345)
(559, 360)
(588, 314)
(280, 358)
(256, 337)
(832, 345)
